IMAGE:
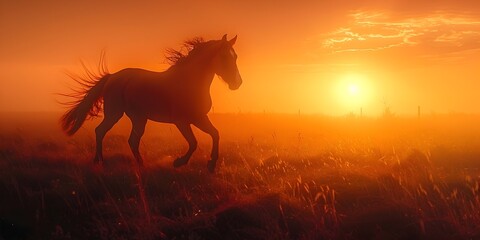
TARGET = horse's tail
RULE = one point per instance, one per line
(88, 99)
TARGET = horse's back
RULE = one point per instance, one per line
(159, 96)
(136, 91)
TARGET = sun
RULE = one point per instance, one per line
(352, 86)
(353, 92)
(353, 89)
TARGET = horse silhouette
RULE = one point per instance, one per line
(180, 95)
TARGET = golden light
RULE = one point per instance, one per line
(353, 89)
(352, 92)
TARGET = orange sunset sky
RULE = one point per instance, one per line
(326, 57)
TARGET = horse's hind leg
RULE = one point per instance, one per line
(187, 133)
(111, 117)
(138, 128)
(205, 125)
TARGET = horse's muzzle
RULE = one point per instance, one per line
(237, 83)
(234, 86)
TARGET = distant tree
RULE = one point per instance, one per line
(387, 112)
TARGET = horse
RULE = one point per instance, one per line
(179, 95)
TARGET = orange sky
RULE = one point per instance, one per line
(293, 55)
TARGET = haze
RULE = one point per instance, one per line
(326, 57)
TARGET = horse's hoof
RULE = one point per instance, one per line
(180, 162)
(211, 166)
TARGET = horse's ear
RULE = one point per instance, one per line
(233, 40)
(224, 38)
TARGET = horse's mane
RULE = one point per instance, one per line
(189, 49)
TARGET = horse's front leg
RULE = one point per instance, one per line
(138, 128)
(206, 125)
(187, 133)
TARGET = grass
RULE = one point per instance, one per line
(279, 177)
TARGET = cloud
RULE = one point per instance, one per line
(436, 33)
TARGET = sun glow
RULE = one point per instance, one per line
(353, 91)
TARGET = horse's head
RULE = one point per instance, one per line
(225, 63)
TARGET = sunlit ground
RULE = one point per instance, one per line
(280, 177)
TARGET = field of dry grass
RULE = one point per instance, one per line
(279, 177)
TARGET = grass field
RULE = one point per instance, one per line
(279, 177)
